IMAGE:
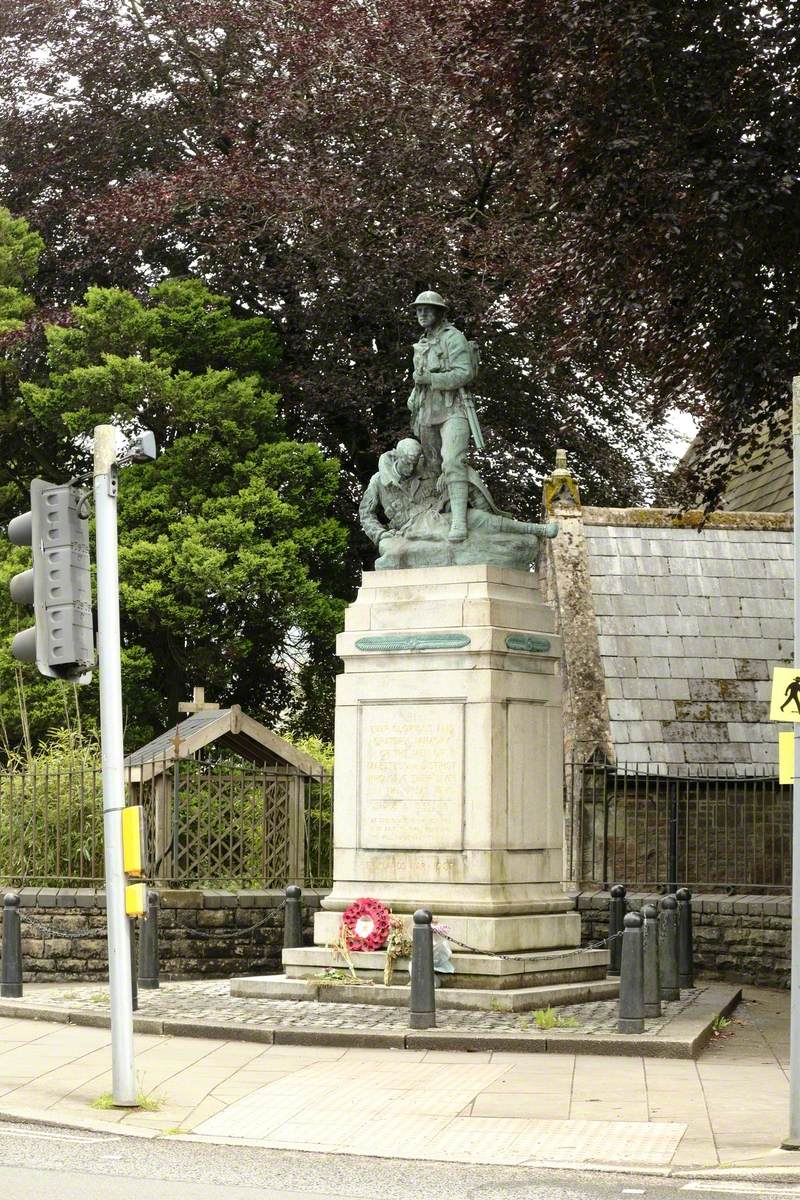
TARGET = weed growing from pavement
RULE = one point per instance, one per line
(549, 1018)
(145, 1101)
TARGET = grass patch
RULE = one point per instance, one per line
(551, 1018)
(145, 1102)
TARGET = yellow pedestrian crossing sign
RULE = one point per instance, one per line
(785, 702)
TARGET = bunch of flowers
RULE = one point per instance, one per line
(398, 945)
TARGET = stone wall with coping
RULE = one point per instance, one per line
(745, 939)
(64, 932)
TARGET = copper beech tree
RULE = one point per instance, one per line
(321, 163)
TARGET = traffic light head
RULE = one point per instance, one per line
(61, 642)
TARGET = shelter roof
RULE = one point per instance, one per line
(227, 727)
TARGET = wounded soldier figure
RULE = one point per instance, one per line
(402, 503)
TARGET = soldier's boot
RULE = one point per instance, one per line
(458, 510)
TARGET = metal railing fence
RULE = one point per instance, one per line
(212, 823)
(707, 827)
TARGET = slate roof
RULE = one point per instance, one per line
(765, 483)
(766, 486)
(690, 625)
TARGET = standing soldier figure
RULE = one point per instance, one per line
(442, 410)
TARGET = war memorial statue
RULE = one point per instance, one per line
(436, 509)
(449, 730)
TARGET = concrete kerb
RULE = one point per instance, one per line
(689, 1032)
(739, 1174)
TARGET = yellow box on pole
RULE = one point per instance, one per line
(136, 899)
(133, 840)
(786, 757)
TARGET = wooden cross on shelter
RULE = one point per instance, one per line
(197, 703)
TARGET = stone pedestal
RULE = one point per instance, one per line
(448, 789)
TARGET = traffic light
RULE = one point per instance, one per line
(59, 586)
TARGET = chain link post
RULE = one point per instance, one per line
(630, 1018)
(652, 981)
(11, 985)
(685, 939)
(422, 1009)
(148, 943)
(293, 918)
(134, 972)
(616, 916)
(668, 949)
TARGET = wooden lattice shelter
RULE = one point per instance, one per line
(214, 818)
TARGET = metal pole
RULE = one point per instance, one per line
(630, 1018)
(134, 973)
(668, 949)
(792, 1142)
(11, 975)
(422, 1007)
(293, 918)
(617, 908)
(685, 942)
(652, 978)
(123, 1081)
(148, 944)
(672, 837)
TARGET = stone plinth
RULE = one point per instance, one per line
(448, 789)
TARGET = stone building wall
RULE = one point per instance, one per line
(64, 932)
(745, 939)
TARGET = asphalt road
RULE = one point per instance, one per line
(49, 1163)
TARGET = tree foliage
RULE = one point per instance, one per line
(230, 559)
(321, 163)
(661, 140)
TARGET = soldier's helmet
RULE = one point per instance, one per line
(432, 298)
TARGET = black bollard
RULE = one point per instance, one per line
(293, 918)
(616, 917)
(685, 940)
(631, 979)
(422, 1008)
(668, 949)
(652, 982)
(134, 983)
(148, 943)
(11, 977)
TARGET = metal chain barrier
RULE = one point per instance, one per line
(521, 958)
(211, 934)
(75, 934)
(70, 934)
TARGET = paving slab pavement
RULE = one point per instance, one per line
(723, 1114)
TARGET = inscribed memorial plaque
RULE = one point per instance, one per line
(411, 776)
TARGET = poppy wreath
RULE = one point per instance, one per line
(368, 922)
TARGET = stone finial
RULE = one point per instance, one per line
(559, 488)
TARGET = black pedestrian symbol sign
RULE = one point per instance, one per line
(785, 702)
(792, 694)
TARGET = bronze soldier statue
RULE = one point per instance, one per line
(442, 410)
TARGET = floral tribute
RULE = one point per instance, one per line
(367, 921)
